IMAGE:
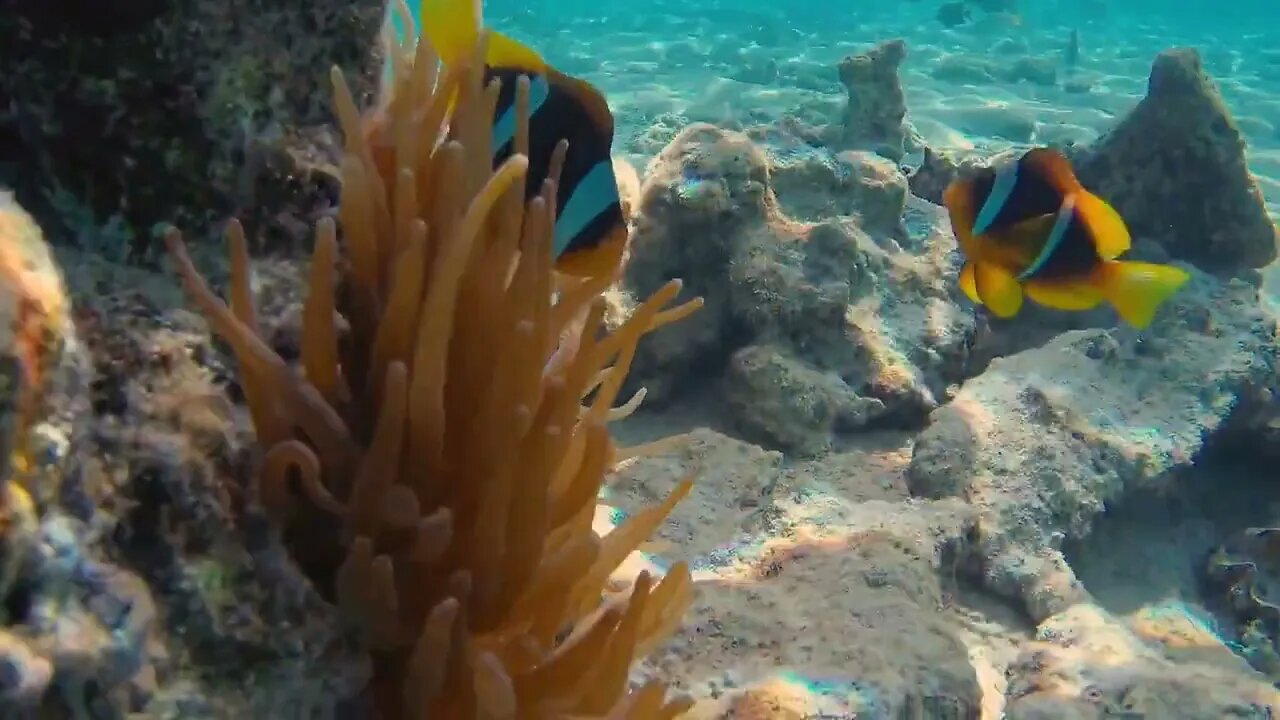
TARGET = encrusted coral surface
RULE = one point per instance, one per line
(123, 114)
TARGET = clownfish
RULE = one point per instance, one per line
(590, 230)
(1031, 228)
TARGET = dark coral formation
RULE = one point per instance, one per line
(168, 600)
(118, 113)
(1239, 581)
(873, 118)
(1175, 168)
(931, 178)
(125, 587)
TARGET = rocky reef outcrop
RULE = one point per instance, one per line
(1044, 439)
(1175, 168)
(127, 586)
(873, 116)
(121, 113)
(810, 327)
(1035, 427)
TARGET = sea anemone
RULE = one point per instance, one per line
(433, 467)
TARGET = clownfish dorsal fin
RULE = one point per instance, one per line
(1105, 226)
(510, 53)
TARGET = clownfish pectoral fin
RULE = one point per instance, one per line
(969, 283)
(1053, 167)
(1077, 295)
(1137, 289)
(998, 289)
(1106, 227)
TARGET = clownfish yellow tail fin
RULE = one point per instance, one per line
(453, 28)
(1138, 289)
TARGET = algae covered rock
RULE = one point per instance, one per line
(796, 405)
(812, 184)
(801, 581)
(36, 331)
(1043, 439)
(1175, 168)
(1085, 663)
(815, 326)
(74, 625)
(873, 118)
(125, 587)
(120, 114)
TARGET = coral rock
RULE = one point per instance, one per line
(1043, 439)
(812, 185)
(873, 119)
(208, 107)
(1034, 70)
(931, 178)
(878, 191)
(35, 324)
(1175, 168)
(862, 329)
(1087, 664)
(794, 403)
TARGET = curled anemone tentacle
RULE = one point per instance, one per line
(282, 462)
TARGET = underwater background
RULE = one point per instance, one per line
(903, 505)
(993, 83)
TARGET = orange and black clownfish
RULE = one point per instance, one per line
(591, 231)
(1031, 228)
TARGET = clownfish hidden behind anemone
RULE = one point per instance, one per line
(570, 128)
(1031, 228)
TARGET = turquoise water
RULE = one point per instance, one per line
(701, 61)
(739, 63)
(904, 505)
(736, 65)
